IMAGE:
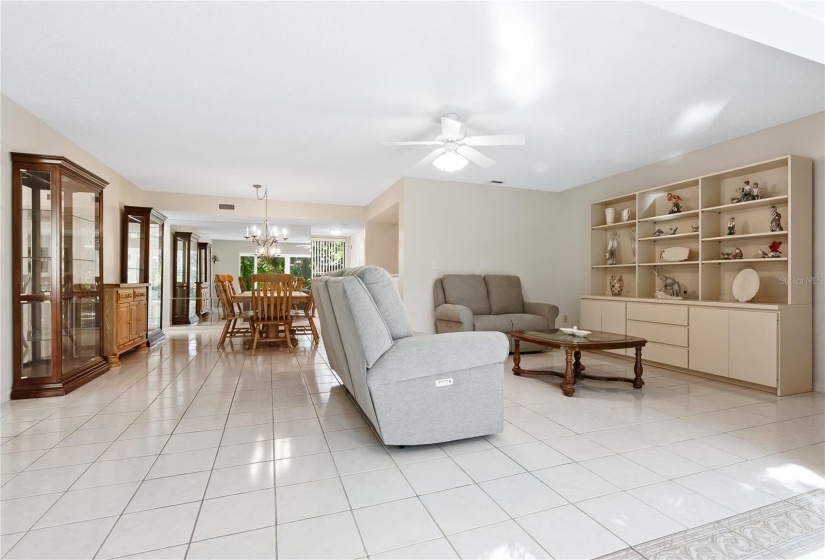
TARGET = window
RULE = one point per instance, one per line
(328, 255)
(297, 265)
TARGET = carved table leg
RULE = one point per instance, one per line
(567, 385)
(516, 357)
(577, 365)
(637, 369)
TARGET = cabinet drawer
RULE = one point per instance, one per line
(658, 332)
(658, 313)
(665, 354)
(125, 295)
(140, 295)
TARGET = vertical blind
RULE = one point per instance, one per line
(327, 256)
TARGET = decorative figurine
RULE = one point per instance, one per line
(776, 220)
(774, 252)
(755, 191)
(673, 231)
(658, 233)
(632, 235)
(727, 256)
(732, 226)
(747, 192)
(616, 285)
(612, 247)
(694, 229)
(677, 203)
(671, 289)
(738, 254)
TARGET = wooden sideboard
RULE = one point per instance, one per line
(125, 311)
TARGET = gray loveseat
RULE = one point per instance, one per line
(493, 302)
(413, 389)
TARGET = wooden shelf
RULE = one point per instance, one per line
(748, 204)
(670, 217)
(614, 266)
(628, 223)
(676, 236)
(746, 236)
(723, 261)
(670, 263)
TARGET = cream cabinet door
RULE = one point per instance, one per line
(753, 346)
(614, 320)
(590, 316)
(708, 339)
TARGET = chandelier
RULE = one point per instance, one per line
(265, 236)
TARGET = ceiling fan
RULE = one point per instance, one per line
(455, 149)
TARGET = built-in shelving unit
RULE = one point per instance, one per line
(766, 342)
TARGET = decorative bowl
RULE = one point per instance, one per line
(575, 331)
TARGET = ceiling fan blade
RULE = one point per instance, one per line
(430, 158)
(495, 140)
(451, 128)
(475, 156)
(422, 143)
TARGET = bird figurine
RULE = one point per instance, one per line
(658, 233)
(673, 230)
(774, 252)
(727, 256)
(738, 254)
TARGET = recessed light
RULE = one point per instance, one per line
(335, 231)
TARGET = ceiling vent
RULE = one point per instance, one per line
(497, 182)
(226, 206)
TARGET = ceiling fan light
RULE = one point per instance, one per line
(450, 161)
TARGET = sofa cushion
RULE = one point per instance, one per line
(384, 292)
(468, 290)
(525, 322)
(504, 293)
(499, 323)
(363, 318)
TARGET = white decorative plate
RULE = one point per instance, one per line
(745, 285)
(575, 332)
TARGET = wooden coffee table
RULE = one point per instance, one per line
(573, 347)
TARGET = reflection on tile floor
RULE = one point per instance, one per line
(188, 452)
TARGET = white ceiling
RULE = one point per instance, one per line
(209, 98)
(233, 228)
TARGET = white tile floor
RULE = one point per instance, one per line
(190, 452)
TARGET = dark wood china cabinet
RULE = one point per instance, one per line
(57, 211)
(142, 261)
(184, 278)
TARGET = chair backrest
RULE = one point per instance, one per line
(309, 307)
(299, 284)
(284, 278)
(271, 301)
(223, 284)
(242, 284)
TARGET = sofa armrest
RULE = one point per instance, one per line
(436, 354)
(455, 314)
(546, 310)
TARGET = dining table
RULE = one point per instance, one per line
(246, 298)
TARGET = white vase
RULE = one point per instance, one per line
(609, 215)
(626, 215)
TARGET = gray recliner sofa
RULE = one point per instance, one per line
(413, 389)
(493, 302)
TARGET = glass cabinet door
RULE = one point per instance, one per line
(36, 274)
(135, 232)
(155, 319)
(181, 280)
(80, 281)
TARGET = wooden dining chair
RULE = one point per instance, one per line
(271, 306)
(230, 314)
(242, 284)
(303, 320)
(281, 277)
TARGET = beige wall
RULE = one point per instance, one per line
(804, 137)
(381, 245)
(451, 227)
(357, 249)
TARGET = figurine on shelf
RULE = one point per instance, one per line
(747, 192)
(612, 247)
(671, 289)
(756, 192)
(676, 200)
(774, 252)
(694, 229)
(673, 230)
(776, 220)
(658, 233)
(738, 254)
(727, 256)
(632, 235)
(732, 226)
